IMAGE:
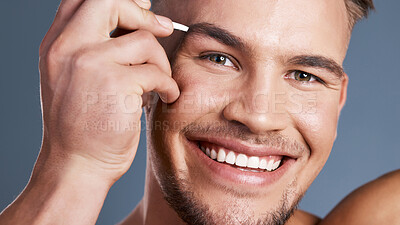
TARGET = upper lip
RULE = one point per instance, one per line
(245, 148)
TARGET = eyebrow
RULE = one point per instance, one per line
(318, 61)
(217, 33)
(227, 38)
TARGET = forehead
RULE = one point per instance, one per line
(319, 26)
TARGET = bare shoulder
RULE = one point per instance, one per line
(301, 217)
(377, 202)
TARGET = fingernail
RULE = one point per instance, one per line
(165, 22)
(163, 97)
(146, 2)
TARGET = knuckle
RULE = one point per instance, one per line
(149, 41)
(169, 84)
(164, 81)
(43, 47)
(146, 36)
(83, 60)
(146, 16)
(54, 54)
(156, 71)
(46, 42)
(51, 62)
(143, 4)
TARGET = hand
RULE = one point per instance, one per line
(92, 85)
(91, 89)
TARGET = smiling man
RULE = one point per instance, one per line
(249, 103)
(261, 92)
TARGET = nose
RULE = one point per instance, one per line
(260, 105)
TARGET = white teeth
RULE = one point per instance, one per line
(263, 164)
(276, 165)
(230, 158)
(241, 160)
(208, 152)
(253, 162)
(221, 155)
(213, 154)
(269, 165)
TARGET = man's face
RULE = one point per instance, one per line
(261, 86)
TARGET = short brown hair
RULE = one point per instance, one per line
(357, 10)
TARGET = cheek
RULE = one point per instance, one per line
(317, 123)
(202, 93)
(202, 98)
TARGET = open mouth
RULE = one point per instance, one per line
(233, 162)
(241, 161)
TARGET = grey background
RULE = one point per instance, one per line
(368, 137)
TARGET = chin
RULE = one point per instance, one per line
(202, 187)
(217, 172)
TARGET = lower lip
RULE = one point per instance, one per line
(226, 172)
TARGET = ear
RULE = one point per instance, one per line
(343, 95)
(343, 92)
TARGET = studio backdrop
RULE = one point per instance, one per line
(367, 144)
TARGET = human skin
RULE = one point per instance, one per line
(376, 202)
(84, 73)
(272, 32)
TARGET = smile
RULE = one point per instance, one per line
(241, 161)
(234, 162)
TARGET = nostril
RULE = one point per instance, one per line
(237, 123)
(240, 125)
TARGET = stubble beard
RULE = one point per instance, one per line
(179, 194)
(180, 191)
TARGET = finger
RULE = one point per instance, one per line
(129, 13)
(65, 11)
(137, 48)
(68, 8)
(147, 78)
(145, 4)
(100, 17)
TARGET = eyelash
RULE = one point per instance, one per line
(292, 73)
(232, 60)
